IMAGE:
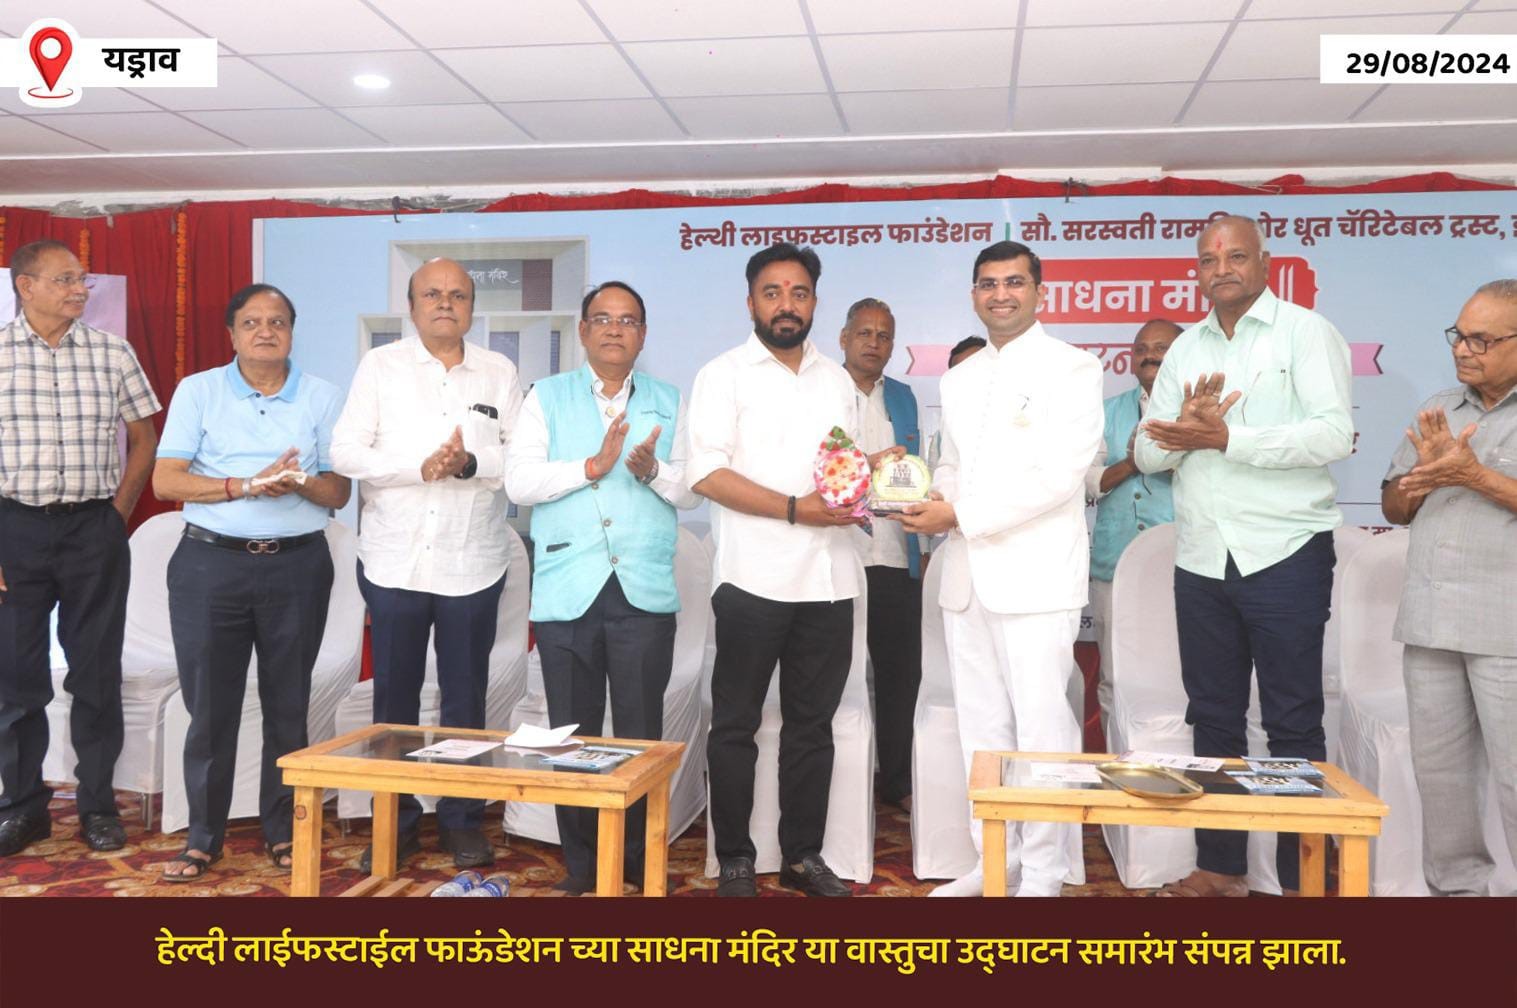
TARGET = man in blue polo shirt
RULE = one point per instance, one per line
(253, 570)
(1127, 501)
(603, 533)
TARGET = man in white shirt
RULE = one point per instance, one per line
(1021, 421)
(424, 431)
(603, 537)
(786, 568)
(1127, 500)
(892, 559)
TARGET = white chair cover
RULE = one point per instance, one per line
(1375, 737)
(848, 847)
(1148, 701)
(1347, 541)
(504, 688)
(941, 846)
(686, 718)
(335, 672)
(149, 676)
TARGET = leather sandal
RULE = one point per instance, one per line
(282, 855)
(201, 866)
(1199, 885)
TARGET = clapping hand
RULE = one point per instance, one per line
(289, 460)
(448, 460)
(1442, 460)
(1201, 423)
(600, 464)
(641, 459)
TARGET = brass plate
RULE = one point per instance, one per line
(1149, 781)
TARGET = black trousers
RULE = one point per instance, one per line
(224, 606)
(462, 628)
(895, 651)
(1270, 621)
(632, 650)
(79, 563)
(813, 644)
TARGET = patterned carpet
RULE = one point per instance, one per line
(64, 866)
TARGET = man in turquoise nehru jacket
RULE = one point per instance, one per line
(598, 455)
(1127, 501)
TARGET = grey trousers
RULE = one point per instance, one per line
(1463, 710)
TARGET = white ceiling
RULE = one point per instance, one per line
(563, 92)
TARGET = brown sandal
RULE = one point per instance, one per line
(1202, 885)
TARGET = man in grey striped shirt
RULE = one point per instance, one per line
(64, 501)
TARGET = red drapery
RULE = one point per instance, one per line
(182, 264)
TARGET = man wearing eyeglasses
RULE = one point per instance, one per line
(64, 500)
(603, 536)
(1250, 407)
(425, 430)
(1127, 501)
(1454, 480)
(1021, 421)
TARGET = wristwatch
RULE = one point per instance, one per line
(470, 468)
(652, 475)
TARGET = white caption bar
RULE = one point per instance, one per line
(1425, 59)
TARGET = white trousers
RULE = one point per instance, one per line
(1100, 616)
(1009, 679)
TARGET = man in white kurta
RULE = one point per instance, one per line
(1021, 421)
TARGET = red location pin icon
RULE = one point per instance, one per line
(51, 67)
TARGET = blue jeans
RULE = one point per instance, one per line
(1270, 621)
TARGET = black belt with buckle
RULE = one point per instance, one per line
(267, 547)
(57, 507)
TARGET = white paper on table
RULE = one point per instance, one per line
(456, 748)
(291, 475)
(1173, 760)
(1065, 773)
(533, 737)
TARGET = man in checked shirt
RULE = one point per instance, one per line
(64, 500)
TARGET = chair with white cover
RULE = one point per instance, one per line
(333, 675)
(686, 718)
(1375, 736)
(1347, 541)
(149, 675)
(941, 844)
(848, 847)
(1148, 712)
(504, 688)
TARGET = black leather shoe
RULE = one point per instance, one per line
(736, 878)
(469, 847)
(571, 886)
(103, 832)
(22, 830)
(408, 847)
(813, 878)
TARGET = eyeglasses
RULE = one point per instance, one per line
(67, 280)
(988, 285)
(1477, 344)
(605, 321)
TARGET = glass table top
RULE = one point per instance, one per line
(402, 743)
(1052, 773)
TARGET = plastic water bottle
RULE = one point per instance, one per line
(460, 885)
(496, 885)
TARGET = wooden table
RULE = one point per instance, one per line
(373, 759)
(1345, 809)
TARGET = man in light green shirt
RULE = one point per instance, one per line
(1250, 406)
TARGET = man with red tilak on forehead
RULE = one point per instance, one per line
(1249, 408)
